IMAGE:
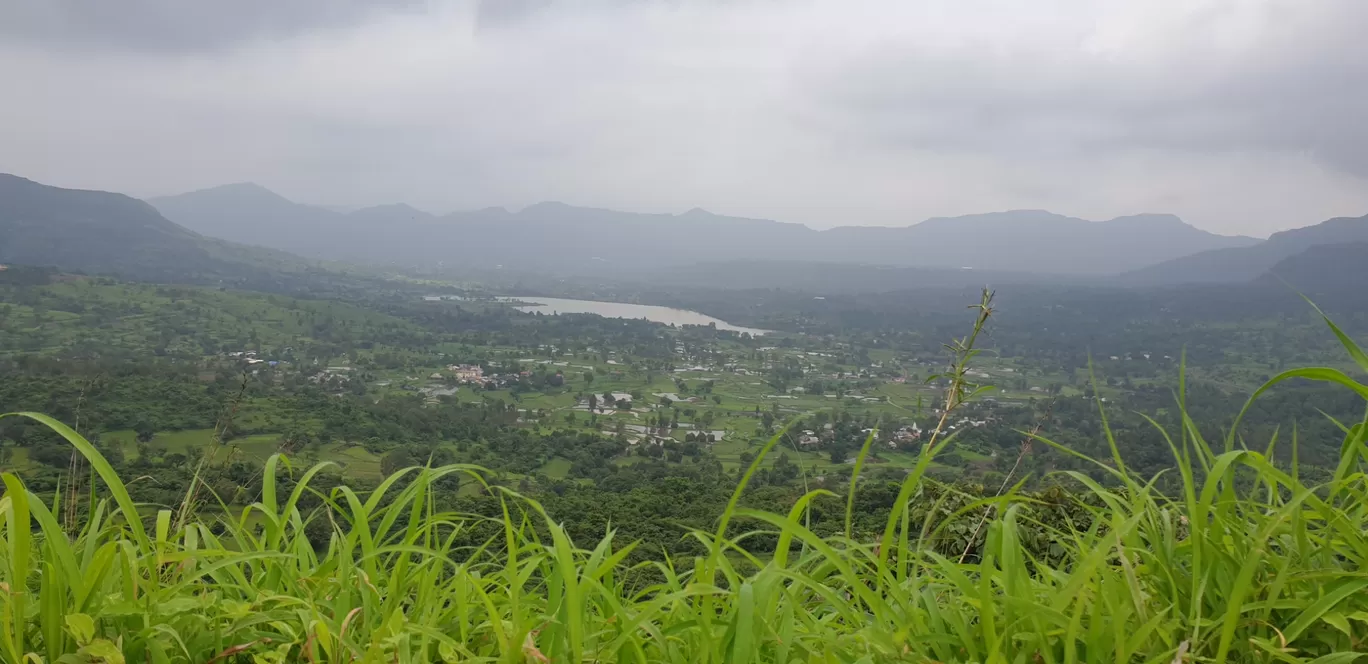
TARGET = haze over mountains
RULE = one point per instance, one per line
(1237, 264)
(93, 229)
(555, 235)
(107, 233)
(204, 237)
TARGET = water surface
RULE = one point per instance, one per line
(653, 313)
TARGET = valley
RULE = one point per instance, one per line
(636, 406)
(683, 332)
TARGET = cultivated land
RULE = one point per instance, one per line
(1124, 573)
(245, 477)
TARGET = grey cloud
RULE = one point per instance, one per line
(179, 25)
(1243, 116)
(502, 13)
(1301, 86)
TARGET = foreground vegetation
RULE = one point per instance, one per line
(1243, 561)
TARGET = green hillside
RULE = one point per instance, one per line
(98, 232)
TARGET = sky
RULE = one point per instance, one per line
(1241, 116)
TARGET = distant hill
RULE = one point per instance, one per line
(100, 232)
(1032, 241)
(1233, 265)
(251, 214)
(93, 231)
(1325, 269)
(840, 278)
(556, 237)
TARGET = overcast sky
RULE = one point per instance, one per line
(1242, 116)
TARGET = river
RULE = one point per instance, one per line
(666, 315)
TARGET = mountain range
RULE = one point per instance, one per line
(242, 235)
(560, 237)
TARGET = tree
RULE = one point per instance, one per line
(784, 470)
(113, 453)
(588, 378)
(397, 460)
(144, 430)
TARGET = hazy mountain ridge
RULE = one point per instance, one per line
(1323, 269)
(557, 236)
(101, 232)
(1035, 241)
(109, 233)
(91, 230)
(251, 214)
(1233, 265)
(840, 278)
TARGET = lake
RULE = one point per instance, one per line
(655, 314)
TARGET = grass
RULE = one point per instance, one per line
(353, 460)
(1241, 562)
(557, 468)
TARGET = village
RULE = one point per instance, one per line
(726, 397)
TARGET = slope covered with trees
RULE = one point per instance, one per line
(98, 232)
